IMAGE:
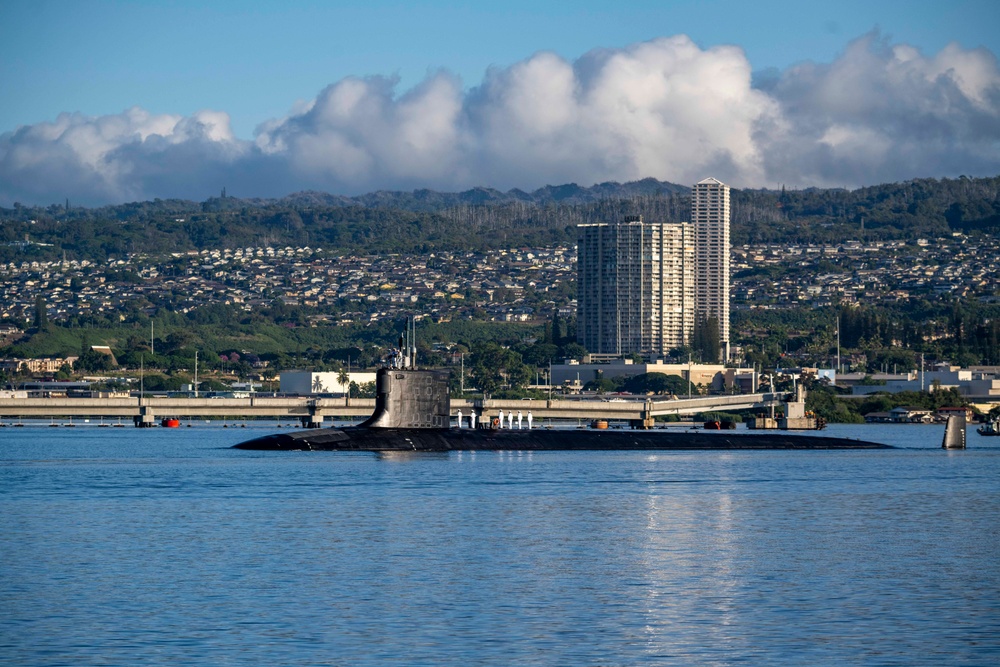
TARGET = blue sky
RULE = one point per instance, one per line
(262, 62)
(254, 59)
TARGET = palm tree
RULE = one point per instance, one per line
(343, 378)
(269, 376)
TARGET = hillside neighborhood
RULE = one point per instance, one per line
(520, 284)
(517, 285)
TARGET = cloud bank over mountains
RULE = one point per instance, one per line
(665, 109)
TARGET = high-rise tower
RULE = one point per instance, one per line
(635, 287)
(710, 218)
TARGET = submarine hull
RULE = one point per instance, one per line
(412, 413)
(360, 438)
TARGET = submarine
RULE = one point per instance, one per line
(413, 414)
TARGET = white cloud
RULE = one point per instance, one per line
(882, 113)
(358, 134)
(664, 108)
(113, 158)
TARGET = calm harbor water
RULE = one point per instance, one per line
(166, 547)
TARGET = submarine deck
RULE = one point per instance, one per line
(438, 440)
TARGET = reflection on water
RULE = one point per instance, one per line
(165, 547)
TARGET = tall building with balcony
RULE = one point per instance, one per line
(642, 285)
(635, 286)
(710, 218)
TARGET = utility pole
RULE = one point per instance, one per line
(838, 351)
(196, 373)
(151, 350)
(462, 381)
(550, 379)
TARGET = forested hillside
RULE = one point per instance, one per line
(482, 219)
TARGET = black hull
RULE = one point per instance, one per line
(443, 440)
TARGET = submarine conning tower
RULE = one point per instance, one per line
(407, 398)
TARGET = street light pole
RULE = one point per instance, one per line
(838, 343)
(689, 375)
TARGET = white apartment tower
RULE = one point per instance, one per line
(635, 286)
(710, 218)
(641, 285)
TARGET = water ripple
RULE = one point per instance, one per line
(148, 549)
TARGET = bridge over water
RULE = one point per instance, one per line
(312, 411)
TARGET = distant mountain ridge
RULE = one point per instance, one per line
(432, 200)
(485, 218)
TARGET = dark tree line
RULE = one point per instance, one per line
(705, 339)
(891, 337)
(972, 332)
(482, 219)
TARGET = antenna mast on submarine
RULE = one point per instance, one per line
(413, 343)
(405, 356)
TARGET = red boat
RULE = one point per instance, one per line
(170, 422)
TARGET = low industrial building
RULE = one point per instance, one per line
(974, 384)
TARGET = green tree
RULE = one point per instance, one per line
(558, 335)
(539, 354)
(269, 375)
(41, 321)
(363, 390)
(601, 386)
(825, 403)
(705, 338)
(657, 383)
(176, 341)
(93, 362)
(572, 351)
(495, 367)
